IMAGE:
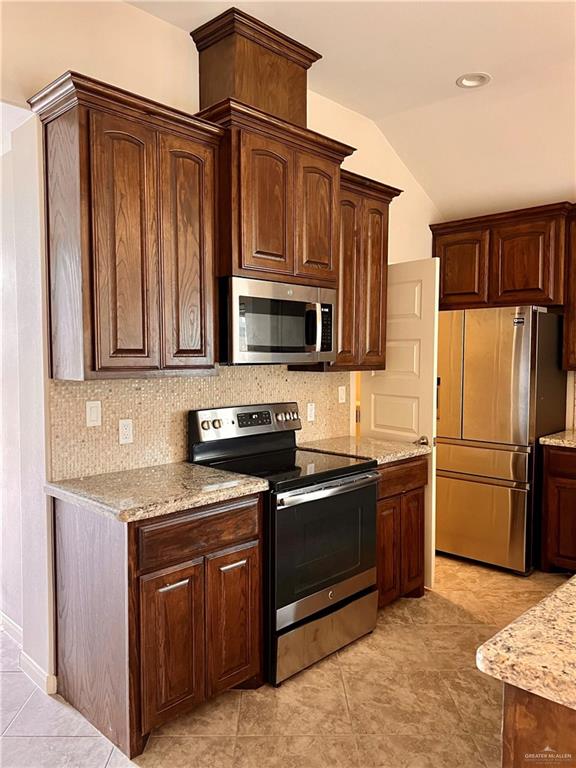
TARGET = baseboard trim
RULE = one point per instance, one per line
(44, 681)
(11, 628)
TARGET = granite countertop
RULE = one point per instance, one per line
(537, 652)
(565, 439)
(136, 494)
(384, 451)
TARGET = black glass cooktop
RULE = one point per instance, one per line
(294, 467)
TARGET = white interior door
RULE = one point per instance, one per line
(400, 402)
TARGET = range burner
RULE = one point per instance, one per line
(319, 530)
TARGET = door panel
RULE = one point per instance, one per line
(233, 617)
(412, 538)
(172, 642)
(523, 263)
(351, 300)
(267, 189)
(497, 345)
(388, 550)
(561, 522)
(125, 230)
(373, 336)
(187, 210)
(463, 267)
(450, 367)
(317, 192)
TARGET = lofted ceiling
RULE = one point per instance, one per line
(507, 145)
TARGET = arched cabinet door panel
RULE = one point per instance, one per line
(464, 268)
(266, 204)
(375, 282)
(125, 243)
(350, 304)
(186, 251)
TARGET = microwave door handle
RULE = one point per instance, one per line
(311, 328)
(318, 327)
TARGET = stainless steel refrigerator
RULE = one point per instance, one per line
(500, 387)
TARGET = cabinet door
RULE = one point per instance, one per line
(351, 295)
(186, 254)
(388, 549)
(464, 260)
(412, 537)
(266, 200)
(526, 263)
(172, 642)
(561, 522)
(374, 284)
(125, 244)
(316, 217)
(233, 617)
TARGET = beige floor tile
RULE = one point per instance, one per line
(389, 647)
(478, 698)
(216, 717)
(44, 715)
(295, 752)
(435, 608)
(452, 647)
(455, 574)
(398, 612)
(401, 703)
(15, 689)
(490, 747)
(433, 751)
(9, 654)
(181, 752)
(295, 709)
(58, 752)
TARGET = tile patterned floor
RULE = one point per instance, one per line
(407, 696)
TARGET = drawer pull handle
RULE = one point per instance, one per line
(233, 565)
(174, 586)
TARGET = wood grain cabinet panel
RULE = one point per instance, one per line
(125, 221)
(233, 606)
(267, 189)
(172, 642)
(350, 280)
(559, 512)
(374, 284)
(464, 260)
(412, 571)
(186, 254)
(524, 269)
(388, 531)
(316, 217)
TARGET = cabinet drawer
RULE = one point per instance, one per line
(561, 461)
(405, 476)
(195, 533)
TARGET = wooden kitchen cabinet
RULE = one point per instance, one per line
(559, 509)
(400, 530)
(504, 259)
(278, 198)
(130, 216)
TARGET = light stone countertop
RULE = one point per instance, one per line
(136, 494)
(537, 652)
(565, 439)
(384, 451)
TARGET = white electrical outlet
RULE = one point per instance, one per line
(125, 431)
(93, 413)
(311, 411)
(342, 394)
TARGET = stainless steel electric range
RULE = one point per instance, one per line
(319, 530)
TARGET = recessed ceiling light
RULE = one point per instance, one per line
(473, 80)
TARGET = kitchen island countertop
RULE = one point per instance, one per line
(564, 439)
(384, 451)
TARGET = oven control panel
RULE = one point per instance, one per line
(242, 420)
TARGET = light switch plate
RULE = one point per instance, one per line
(311, 411)
(93, 413)
(342, 394)
(125, 431)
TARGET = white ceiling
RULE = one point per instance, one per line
(509, 144)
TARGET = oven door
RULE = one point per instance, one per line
(280, 323)
(325, 545)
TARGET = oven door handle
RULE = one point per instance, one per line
(324, 491)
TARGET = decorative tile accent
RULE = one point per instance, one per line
(158, 408)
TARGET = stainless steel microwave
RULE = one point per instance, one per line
(277, 322)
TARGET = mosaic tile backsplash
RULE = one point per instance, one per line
(158, 408)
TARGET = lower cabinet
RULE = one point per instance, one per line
(400, 530)
(559, 509)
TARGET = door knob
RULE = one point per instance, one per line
(422, 440)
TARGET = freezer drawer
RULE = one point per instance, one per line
(501, 463)
(482, 521)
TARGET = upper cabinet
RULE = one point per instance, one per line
(130, 214)
(363, 272)
(503, 259)
(278, 198)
